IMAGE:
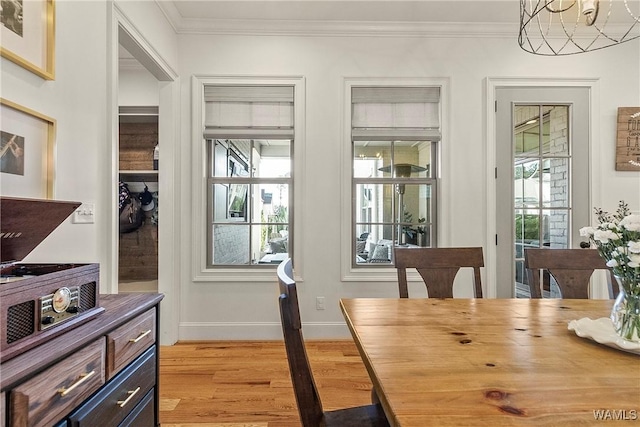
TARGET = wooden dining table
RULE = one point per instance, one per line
(492, 362)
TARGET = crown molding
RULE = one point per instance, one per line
(339, 28)
(345, 28)
(170, 12)
(334, 28)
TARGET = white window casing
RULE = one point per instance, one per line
(240, 108)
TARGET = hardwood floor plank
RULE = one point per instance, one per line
(217, 425)
(247, 383)
(168, 404)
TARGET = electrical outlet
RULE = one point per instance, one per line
(319, 303)
(84, 214)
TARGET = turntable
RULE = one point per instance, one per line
(39, 301)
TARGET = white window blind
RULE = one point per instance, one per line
(398, 113)
(248, 112)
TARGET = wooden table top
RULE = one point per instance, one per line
(492, 362)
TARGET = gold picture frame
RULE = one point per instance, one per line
(27, 152)
(28, 35)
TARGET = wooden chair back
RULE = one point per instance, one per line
(304, 386)
(571, 268)
(438, 268)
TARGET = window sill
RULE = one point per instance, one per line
(264, 273)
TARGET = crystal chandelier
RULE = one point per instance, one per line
(567, 27)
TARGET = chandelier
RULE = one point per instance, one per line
(567, 27)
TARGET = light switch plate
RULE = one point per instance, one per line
(84, 214)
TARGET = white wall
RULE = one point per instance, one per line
(78, 100)
(142, 29)
(249, 310)
(151, 22)
(137, 87)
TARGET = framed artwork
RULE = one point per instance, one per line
(27, 35)
(628, 139)
(27, 149)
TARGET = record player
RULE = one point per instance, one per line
(39, 301)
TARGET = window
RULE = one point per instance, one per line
(395, 133)
(249, 134)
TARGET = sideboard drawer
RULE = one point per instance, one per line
(50, 395)
(129, 341)
(143, 415)
(117, 399)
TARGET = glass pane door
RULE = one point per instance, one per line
(541, 193)
(542, 177)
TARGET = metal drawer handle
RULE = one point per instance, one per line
(142, 335)
(83, 377)
(131, 393)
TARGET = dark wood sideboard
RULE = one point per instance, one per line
(103, 372)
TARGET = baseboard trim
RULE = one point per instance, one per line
(197, 331)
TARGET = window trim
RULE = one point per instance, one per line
(349, 272)
(198, 216)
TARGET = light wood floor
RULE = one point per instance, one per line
(125, 286)
(247, 383)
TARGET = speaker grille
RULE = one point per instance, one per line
(87, 296)
(20, 321)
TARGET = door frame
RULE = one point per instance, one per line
(491, 85)
(122, 30)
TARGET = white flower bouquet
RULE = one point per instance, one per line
(617, 238)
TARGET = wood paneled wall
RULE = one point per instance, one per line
(137, 141)
(138, 250)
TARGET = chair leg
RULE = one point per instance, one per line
(374, 396)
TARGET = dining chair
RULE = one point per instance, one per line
(571, 268)
(438, 268)
(304, 387)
